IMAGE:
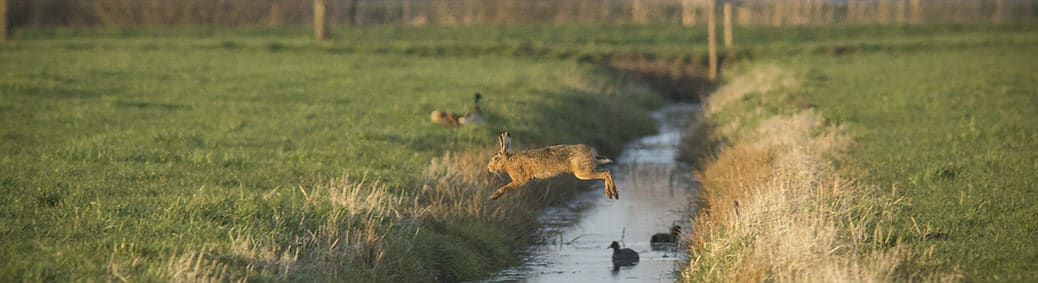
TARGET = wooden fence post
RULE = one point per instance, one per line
(915, 11)
(320, 23)
(727, 24)
(639, 12)
(688, 13)
(711, 16)
(3, 20)
(999, 11)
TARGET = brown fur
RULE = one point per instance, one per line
(445, 118)
(454, 119)
(546, 162)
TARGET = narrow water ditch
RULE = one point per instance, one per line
(655, 193)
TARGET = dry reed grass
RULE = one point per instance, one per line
(757, 80)
(193, 266)
(362, 217)
(458, 186)
(366, 218)
(775, 209)
(265, 257)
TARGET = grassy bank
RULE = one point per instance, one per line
(772, 207)
(952, 132)
(211, 153)
(874, 165)
(155, 161)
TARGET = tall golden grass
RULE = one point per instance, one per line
(775, 209)
(364, 221)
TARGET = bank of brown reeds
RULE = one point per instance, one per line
(365, 230)
(775, 209)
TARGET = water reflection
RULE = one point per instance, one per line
(655, 193)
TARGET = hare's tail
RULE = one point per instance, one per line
(599, 160)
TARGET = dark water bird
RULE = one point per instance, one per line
(661, 240)
(475, 116)
(623, 257)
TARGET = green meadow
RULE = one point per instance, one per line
(941, 123)
(952, 131)
(143, 149)
(252, 153)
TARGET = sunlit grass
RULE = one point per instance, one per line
(773, 207)
(951, 131)
(936, 180)
(166, 160)
(229, 153)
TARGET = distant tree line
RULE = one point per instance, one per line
(470, 12)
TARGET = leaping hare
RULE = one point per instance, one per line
(546, 162)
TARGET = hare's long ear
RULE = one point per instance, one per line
(504, 141)
(501, 142)
(508, 140)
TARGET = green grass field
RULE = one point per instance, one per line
(166, 148)
(953, 131)
(123, 149)
(941, 119)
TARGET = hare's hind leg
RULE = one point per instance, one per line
(610, 187)
(589, 174)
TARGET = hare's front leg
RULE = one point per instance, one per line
(508, 187)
